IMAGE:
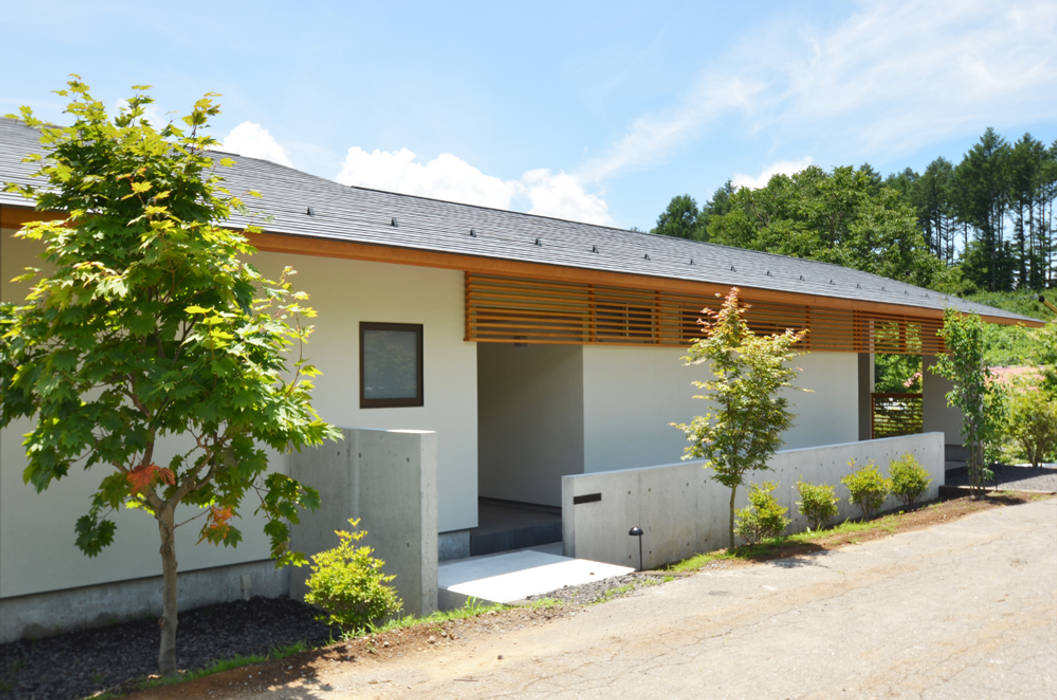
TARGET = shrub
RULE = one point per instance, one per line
(868, 488)
(763, 518)
(909, 478)
(818, 503)
(349, 585)
(1033, 425)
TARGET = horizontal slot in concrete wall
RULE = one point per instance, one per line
(683, 511)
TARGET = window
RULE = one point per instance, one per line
(390, 365)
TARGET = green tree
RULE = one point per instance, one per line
(1033, 424)
(982, 198)
(847, 217)
(747, 413)
(679, 219)
(149, 324)
(979, 399)
(718, 205)
(1046, 357)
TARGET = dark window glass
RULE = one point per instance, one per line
(390, 365)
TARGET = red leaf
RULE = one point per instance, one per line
(144, 475)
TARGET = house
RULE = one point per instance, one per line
(534, 347)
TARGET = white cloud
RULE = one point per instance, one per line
(563, 196)
(886, 79)
(253, 140)
(449, 177)
(650, 138)
(905, 74)
(445, 177)
(783, 167)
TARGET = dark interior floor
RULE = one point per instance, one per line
(506, 525)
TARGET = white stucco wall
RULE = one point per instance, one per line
(632, 394)
(935, 413)
(37, 551)
(345, 292)
(531, 432)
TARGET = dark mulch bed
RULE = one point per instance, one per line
(78, 664)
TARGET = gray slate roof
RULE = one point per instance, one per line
(364, 215)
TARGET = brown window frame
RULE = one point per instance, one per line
(402, 402)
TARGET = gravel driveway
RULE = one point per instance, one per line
(962, 609)
(1013, 477)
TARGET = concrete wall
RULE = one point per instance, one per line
(531, 420)
(683, 511)
(936, 414)
(631, 395)
(387, 478)
(44, 614)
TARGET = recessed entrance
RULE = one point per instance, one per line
(506, 525)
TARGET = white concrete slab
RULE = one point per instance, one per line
(511, 576)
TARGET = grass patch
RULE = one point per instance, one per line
(221, 665)
(473, 608)
(777, 546)
(853, 531)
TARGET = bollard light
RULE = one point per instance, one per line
(637, 532)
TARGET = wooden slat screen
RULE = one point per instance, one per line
(509, 309)
(895, 414)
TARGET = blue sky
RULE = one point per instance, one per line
(590, 111)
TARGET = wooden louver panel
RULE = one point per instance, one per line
(510, 309)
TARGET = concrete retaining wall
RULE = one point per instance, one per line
(684, 512)
(388, 479)
(43, 614)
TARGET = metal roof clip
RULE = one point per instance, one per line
(310, 211)
(645, 256)
(594, 249)
(393, 222)
(539, 241)
(473, 234)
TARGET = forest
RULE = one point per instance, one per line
(982, 229)
(985, 224)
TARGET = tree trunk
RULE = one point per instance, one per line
(167, 622)
(733, 490)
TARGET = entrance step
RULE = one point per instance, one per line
(505, 525)
(513, 576)
(514, 538)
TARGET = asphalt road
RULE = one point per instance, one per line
(966, 609)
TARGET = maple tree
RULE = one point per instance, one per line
(743, 427)
(150, 332)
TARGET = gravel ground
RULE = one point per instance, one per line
(596, 591)
(78, 664)
(1013, 477)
